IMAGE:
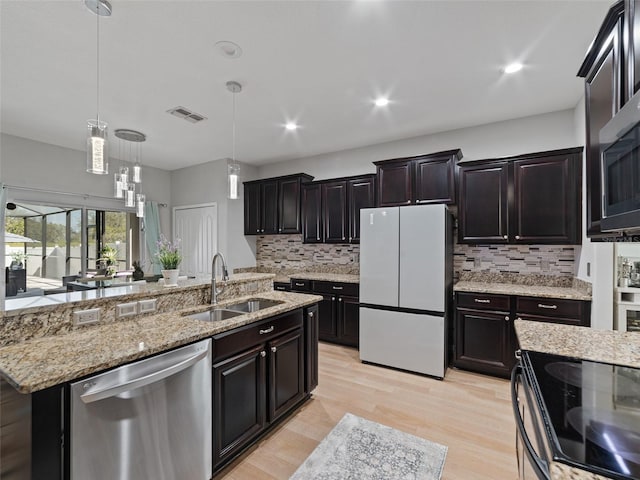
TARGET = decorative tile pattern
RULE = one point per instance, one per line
(524, 259)
(287, 252)
(358, 448)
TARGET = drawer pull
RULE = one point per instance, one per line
(268, 330)
(337, 288)
(299, 284)
(310, 314)
(263, 354)
(506, 318)
(551, 307)
(279, 288)
(274, 349)
(481, 300)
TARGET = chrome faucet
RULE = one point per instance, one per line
(225, 276)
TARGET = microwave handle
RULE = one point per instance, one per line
(539, 466)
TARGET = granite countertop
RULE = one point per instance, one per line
(328, 277)
(44, 362)
(526, 290)
(609, 346)
(132, 290)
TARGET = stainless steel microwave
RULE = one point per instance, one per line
(620, 169)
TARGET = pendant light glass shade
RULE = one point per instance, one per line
(136, 174)
(97, 147)
(120, 182)
(130, 195)
(233, 175)
(140, 200)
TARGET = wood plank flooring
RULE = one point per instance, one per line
(469, 413)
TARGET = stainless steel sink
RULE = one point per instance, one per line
(214, 315)
(253, 305)
(229, 311)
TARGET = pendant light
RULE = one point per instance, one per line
(97, 131)
(123, 187)
(233, 167)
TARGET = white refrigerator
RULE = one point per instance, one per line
(406, 287)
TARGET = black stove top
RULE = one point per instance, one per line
(593, 410)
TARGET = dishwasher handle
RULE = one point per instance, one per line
(539, 466)
(113, 390)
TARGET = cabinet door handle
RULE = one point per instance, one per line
(518, 318)
(505, 237)
(339, 300)
(506, 318)
(263, 354)
(268, 330)
(274, 349)
(517, 237)
(550, 307)
(279, 230)
(310, 314)
(333, 299)
(337, 288)
(482, 300)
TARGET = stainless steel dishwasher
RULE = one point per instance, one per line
(146, 420)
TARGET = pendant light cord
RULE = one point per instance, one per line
(98, 67)
(233, 134)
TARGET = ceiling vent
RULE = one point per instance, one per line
(186, 114)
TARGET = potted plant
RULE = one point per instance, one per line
(18, 259)
(108, 259)
(169, 256)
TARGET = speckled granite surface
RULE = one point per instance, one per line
(358, 448)
(23, 324)
(330, 273)
(609, 346)
(43, 362)
(546, 286)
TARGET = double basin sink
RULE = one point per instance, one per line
(216, 313)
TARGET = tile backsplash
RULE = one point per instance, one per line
(524, 259)
(285, 252)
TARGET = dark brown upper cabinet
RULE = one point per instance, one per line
(527, 199)
(312, 231)
(362, 194)
(272, 205)
(483, 207)
(418, 180)
(331, 208)
(335, 213)
(611, 77)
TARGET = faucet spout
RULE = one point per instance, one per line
(225, 276)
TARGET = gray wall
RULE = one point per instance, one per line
(207, 183)
(37, 165)
(523, 135)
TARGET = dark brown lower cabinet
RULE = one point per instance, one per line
(260, 373)
(339, 310)
(485, 339)
(238, 402)
(483, 342)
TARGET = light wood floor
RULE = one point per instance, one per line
(469, 413)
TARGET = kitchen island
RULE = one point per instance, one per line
(44, 351)
(583, 385)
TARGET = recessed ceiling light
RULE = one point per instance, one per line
(291, 126)
(229, 49)
(381, 101)
(513, 68)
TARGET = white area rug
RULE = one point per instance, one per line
(359, 449)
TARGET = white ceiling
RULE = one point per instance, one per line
(320, 63)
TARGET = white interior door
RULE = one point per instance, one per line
(197, 228)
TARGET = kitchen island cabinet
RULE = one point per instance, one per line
(289, 371)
